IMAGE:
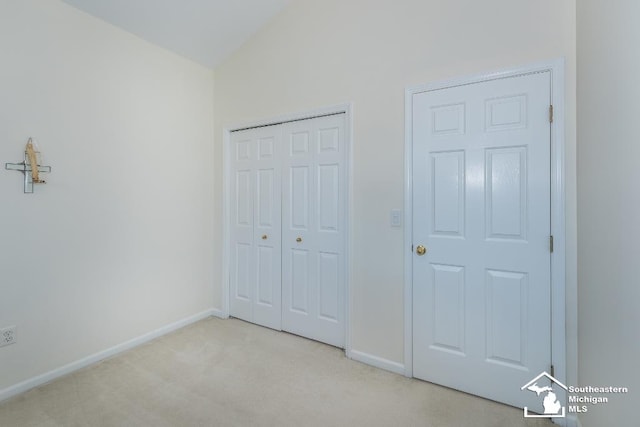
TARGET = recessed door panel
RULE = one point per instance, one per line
(243, 198)
(328, 280)
(299, 201)
(300, 281)
(447, 193)
(243, 271)
(328, 197)
(299, 143)
(266, 274)
(266, 197)
(506, 113)
(448, 325)
(506, 193)
(507, 317)
(266, 148)
(329, 139)
(448, 119)
(243, 150)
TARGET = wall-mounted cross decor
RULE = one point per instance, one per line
(29, 167)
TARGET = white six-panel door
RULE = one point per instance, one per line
(313, 229)
(288, 229)
(255, 235)
(481, 198)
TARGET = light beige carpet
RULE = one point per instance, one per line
(231, 373)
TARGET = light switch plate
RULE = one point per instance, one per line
(396, 218)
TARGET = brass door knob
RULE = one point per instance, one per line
(421, 250)
(264, 237)
(299, 239)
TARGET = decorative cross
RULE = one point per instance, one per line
(30, 165)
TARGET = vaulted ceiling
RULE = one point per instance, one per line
(206, 31)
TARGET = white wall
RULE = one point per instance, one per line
(118, 243)
(609, 205)
(319, 53)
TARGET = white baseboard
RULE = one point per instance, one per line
(376, 361)
(573, 421)
(570, 420)
(79, 364)
(219, 313)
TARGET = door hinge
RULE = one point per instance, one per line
(553, 371)
(551, 244)
(550, 113)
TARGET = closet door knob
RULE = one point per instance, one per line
(264, 237)
(299, 239)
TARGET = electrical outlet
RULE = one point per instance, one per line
(7, 336)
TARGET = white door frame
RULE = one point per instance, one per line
(226, 194)
(558, 266)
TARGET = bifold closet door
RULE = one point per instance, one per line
(313, 229)
(255, 235)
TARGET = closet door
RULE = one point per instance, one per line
(255, 235)
(313, 235)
